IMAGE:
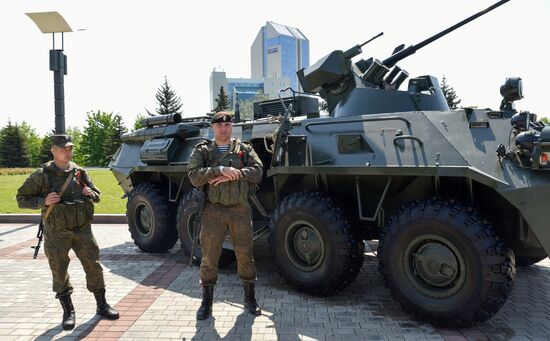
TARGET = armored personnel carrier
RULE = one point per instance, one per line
(455, 199)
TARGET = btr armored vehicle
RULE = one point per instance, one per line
(455, 198)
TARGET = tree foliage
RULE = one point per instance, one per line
(76, 135)
(168, 101)
(45, 153)
(32, 143)
(100, 138)
(222, 102)
(13, 152)
(137, 122)
(450, 94)
(246, 107)
(113, 139)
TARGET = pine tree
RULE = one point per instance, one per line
(137, 122)
(169, 102)
(13, 152)
(450, 94)
(222, 102)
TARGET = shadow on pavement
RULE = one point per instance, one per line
(293, 315)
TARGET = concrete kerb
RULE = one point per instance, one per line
(35, 218)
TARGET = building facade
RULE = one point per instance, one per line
(243, 89)
(278, 52)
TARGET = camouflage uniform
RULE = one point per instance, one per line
(68, 225)
(227, 206)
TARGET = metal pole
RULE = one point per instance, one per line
(58, 64)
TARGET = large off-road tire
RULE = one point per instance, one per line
(312, 244)
(528, 260)
(445, 263)
(150, 221)
(187, 229)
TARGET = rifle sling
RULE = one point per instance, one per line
(63, 189)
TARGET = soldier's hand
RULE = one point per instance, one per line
(218, 180)
(87, 191)
(232, 173)
(52, 198)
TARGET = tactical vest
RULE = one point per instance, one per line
(229, 193)
(74, 209)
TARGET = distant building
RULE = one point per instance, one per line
(278, 52)
(243, 88)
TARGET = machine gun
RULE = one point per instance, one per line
(332, 74)
(282, 133)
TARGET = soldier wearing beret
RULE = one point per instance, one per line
(68, 226)
(230, 170)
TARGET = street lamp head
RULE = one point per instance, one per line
(50, 22)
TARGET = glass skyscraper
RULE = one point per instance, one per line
(278, 52)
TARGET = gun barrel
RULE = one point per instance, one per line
(161, 120)
(392, 60)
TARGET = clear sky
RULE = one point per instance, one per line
(120, 60)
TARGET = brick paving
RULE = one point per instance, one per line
(157, 296)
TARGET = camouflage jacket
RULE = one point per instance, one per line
(204, 165)
(74, 208)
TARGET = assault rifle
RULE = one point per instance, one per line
(40, 232)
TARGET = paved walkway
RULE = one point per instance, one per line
(157, 296)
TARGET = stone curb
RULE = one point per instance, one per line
(35, 218)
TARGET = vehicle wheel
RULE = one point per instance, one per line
(445, 264)
(312, 244)
(528, 260)
(187, 228)
(150, 222)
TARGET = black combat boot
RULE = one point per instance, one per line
(250, 303)
(103, 308)
(68, 311)
(205, 310)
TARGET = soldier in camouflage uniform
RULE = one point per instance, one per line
(68, 225)
(230, 170)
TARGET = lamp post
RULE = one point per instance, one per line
(53, 22)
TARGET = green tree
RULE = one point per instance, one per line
(113, 139)
(137, 122)
(246, 107)
(76, 135)
(450, 94)
(222, 102)
(45, 153)
(97, 134)
(168, 101)
(545, 120)
(13, 152)
(32, 143)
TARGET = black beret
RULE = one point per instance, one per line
(61, 140)
(221, 116)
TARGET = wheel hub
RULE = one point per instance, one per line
(435, 263)
(305, 246)
(434, 266)
(144, 219)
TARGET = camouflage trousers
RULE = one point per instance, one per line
(216, 220)
(57, 244)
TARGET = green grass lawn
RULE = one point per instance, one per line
(103, 179)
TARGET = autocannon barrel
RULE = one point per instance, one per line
(161, 120)
(396, 57)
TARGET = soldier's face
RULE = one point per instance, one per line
(222, 130)
(64, 154)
